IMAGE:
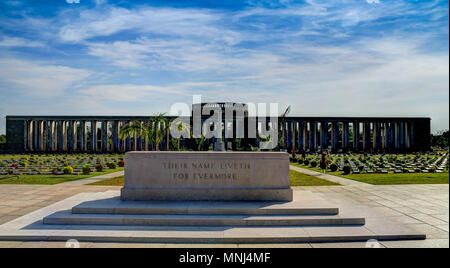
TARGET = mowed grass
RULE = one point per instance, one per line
(396, 179)
(389, 179)
(119, 181)
(50, 179)
(296, 178)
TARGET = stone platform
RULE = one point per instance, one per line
(104, 217)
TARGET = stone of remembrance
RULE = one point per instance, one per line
(207, 176)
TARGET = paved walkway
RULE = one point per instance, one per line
(423, 207)
(94, 179)
(341, 181)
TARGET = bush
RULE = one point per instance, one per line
(333, 167)
(306, 162)
(68, 170)
(361, 168)
(86, 170)
(313, 164)
(111, 165)
(300, 161)
(99, 167)
(121, 163)
(347, 169)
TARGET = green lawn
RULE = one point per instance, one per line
(390, 179)
(300, 179)
(51, 179)
(118, 181)
(297, 179)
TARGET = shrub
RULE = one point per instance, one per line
(99, 167)
(361, 168)
(121, 163)
(67, 170)
(111, 165)
(333, 167)
(306, 162)
(313, 164)
(300, 161)
(2, 164)
(347, 169)
(86, 170)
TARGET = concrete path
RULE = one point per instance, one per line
(341, 181)
(93, 179)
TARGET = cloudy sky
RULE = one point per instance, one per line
(325, 58)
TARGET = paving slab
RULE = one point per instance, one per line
(31, 227)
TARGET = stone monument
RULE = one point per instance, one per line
(207, 176)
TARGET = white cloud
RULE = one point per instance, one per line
(166, 21)
(19, 42)
(126, 92)
(38, 80)
(373, 1)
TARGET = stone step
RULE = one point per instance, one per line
(66, 217)
(115, 206)
(218, 235)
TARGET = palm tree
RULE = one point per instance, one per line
(134, 129)
(155, 133)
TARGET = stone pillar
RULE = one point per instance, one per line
(334, 135)
(44, 136)
(83, 135)
(65, 129)
(376, 136)
(76, 137)
(39, 136)
(324, 135)
(104, 136)
(402, 135)
(407, 135)
(289, 136)
(29, 131)
(115, 134)
(356, 136)
(367, 138)
(93, 136)
(301, 129)
(49, 135)
(345, 135)
(396, 135)
(313, 137)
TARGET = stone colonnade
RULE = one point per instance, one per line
(309, 134)
(78, 136)
(355, 136)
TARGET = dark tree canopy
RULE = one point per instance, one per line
(440, 139)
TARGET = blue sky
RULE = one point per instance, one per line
(325, 58)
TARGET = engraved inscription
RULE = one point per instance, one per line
(205, 170)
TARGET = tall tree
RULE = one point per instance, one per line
(134, 130)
